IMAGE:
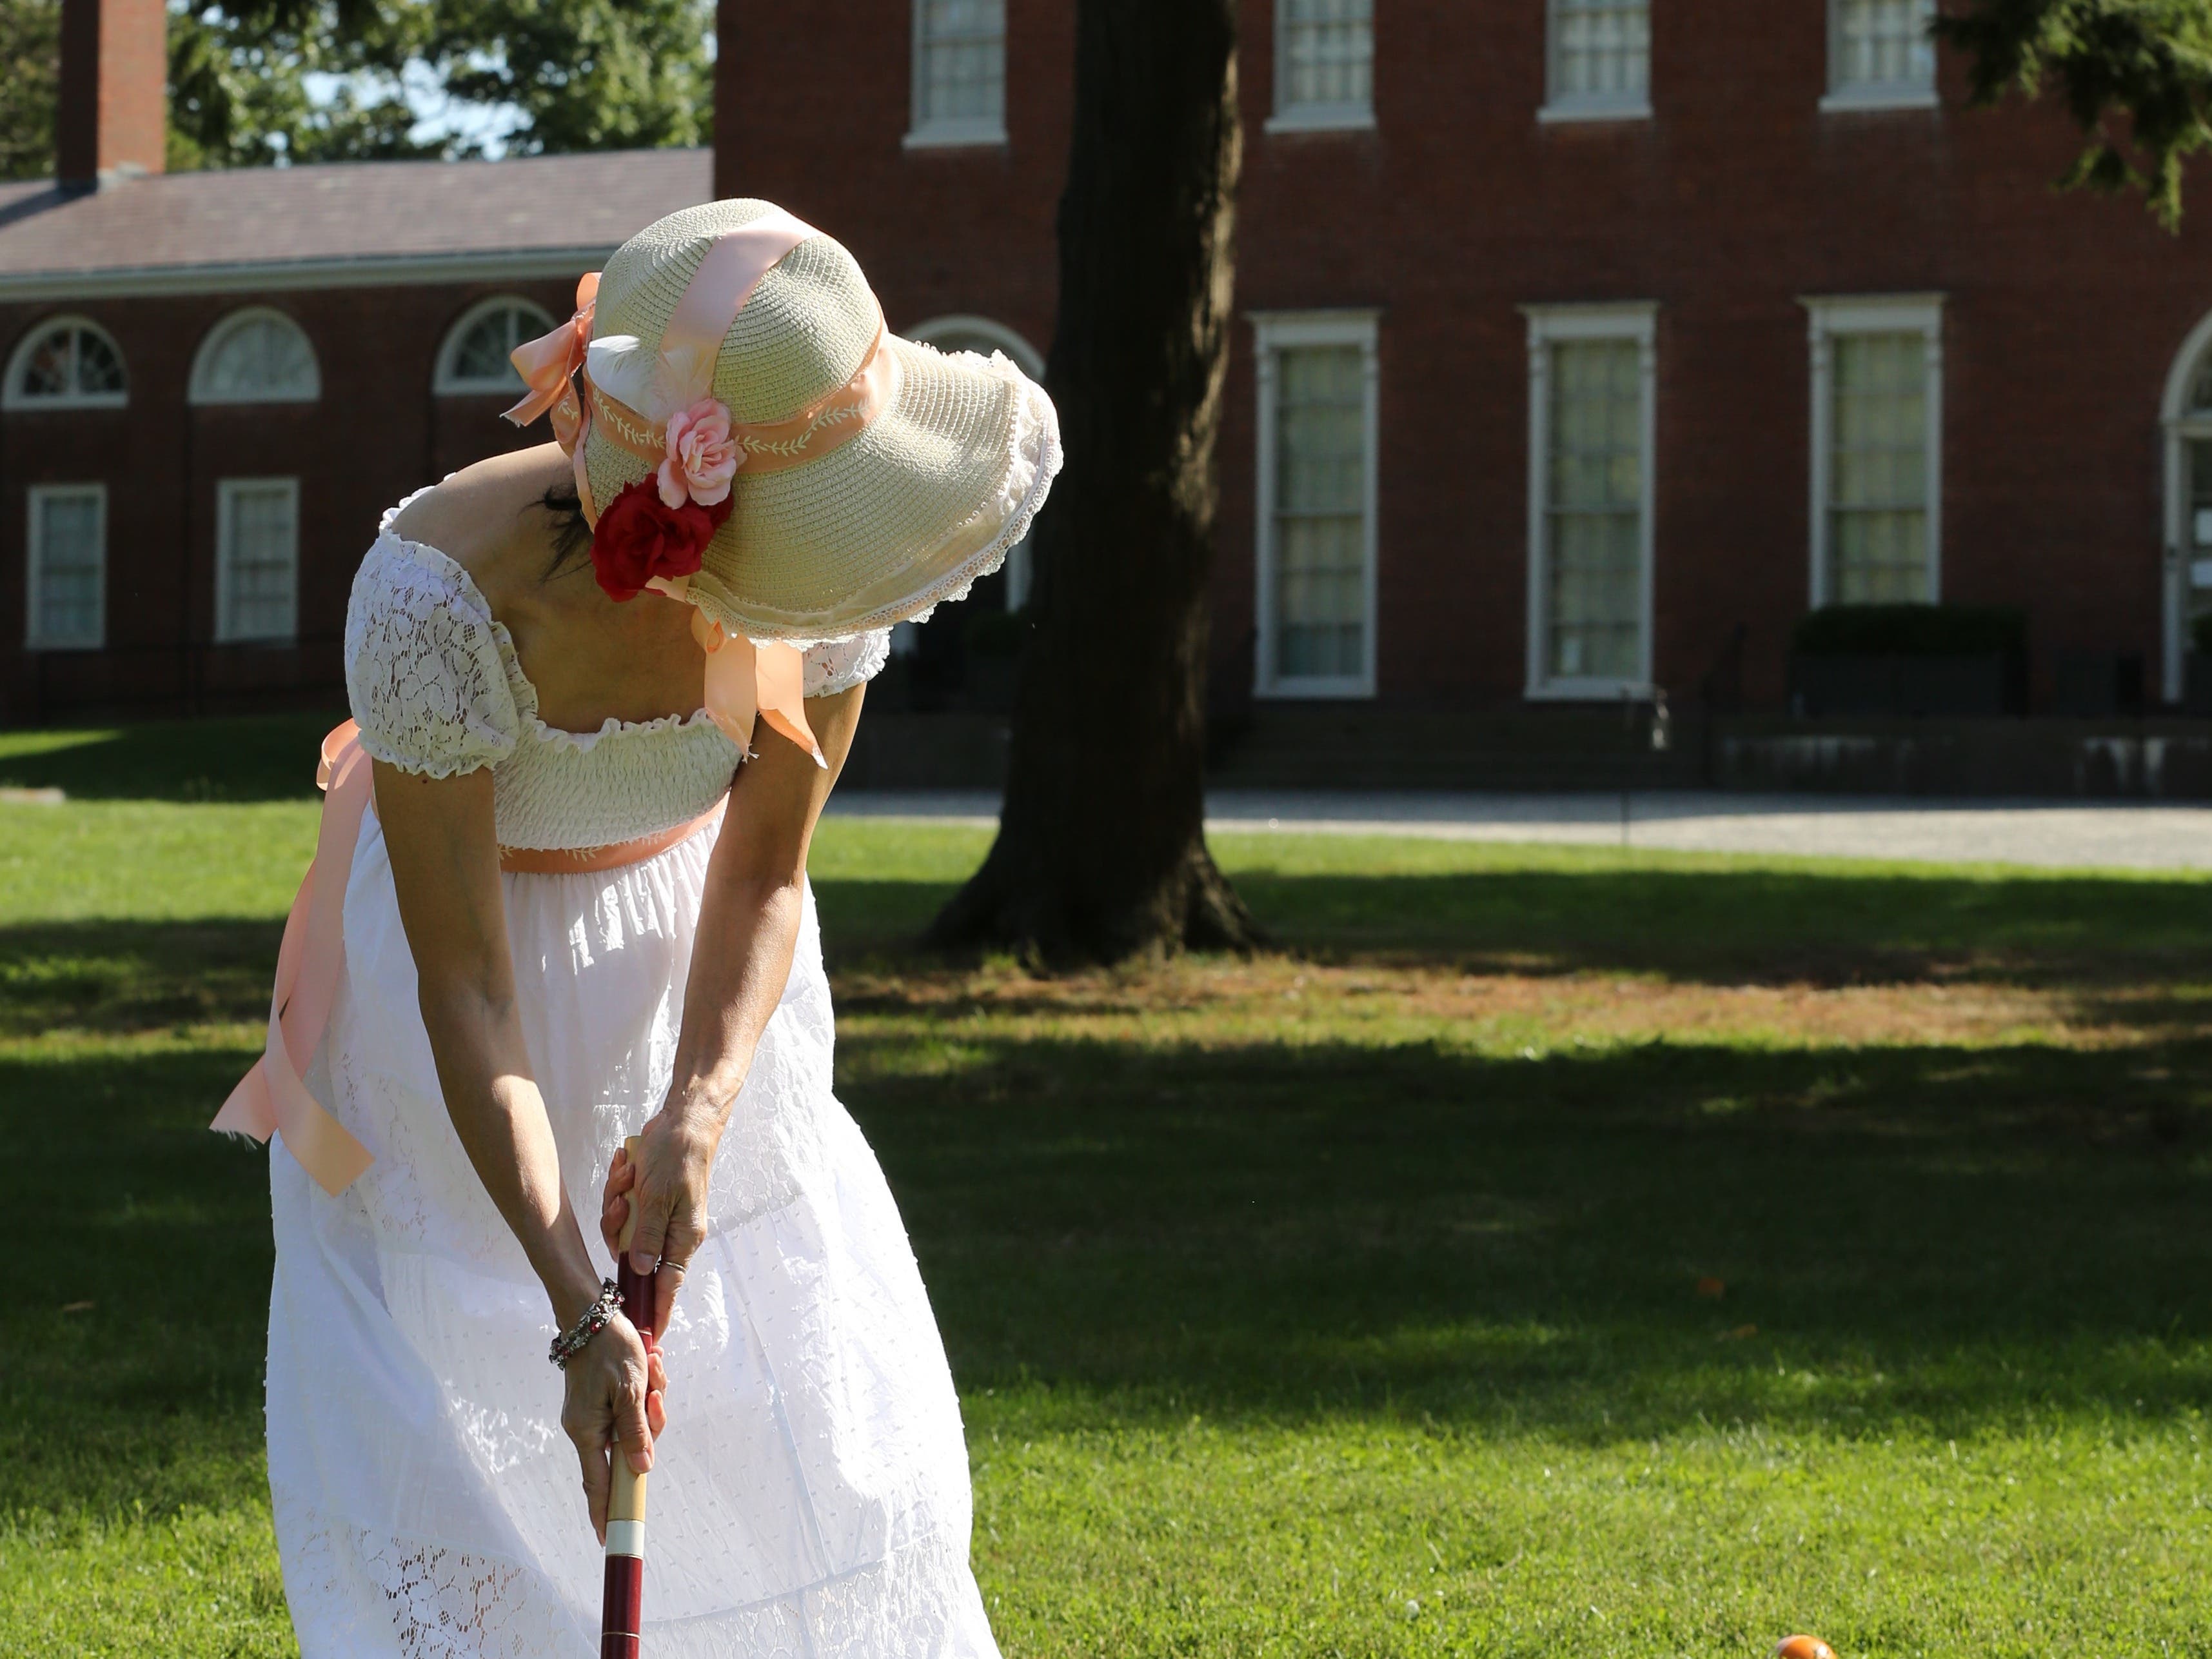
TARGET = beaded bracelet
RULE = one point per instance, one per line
(593, 1320)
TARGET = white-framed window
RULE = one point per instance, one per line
(2185, 419)
(257, 563)
(1881, 55)
(1318, 431)
(965, 332)
(256, 357)
(473, 360)
(1877, 461)
(1597, 61)
(66, 362)
(1592, 468)
(959, 94)
(1324, 65)
(66, 574)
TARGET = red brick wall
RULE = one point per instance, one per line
(115, 104)
(378, 433)
(1738, 196)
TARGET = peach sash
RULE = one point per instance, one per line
(273, 1094)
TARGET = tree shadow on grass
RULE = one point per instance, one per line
(110, 978)
(1760, 925)
(1950, 1238)
(264, 757)
(1943, 1237)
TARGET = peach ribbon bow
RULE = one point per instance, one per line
(272, 1095)
(746, 681)
(548, 363)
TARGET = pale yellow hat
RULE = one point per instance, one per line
(941, 464)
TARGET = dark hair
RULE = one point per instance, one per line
(572, 536)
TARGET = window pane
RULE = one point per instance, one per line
(1320, 524)
(481, 355)
(70, 361)
(262, 358)
(66, 532)
(963, 79)
(48, 371)
(260, 561)
(1328, 53)
(1600, 50)
(1878, 468)
(1883, 43)
(1594, 547)
(99, 370)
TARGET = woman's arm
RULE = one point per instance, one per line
(740, 961)
(445, 869)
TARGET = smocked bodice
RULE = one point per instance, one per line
(437, 688)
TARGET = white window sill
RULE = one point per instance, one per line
(1323, 118)
(1855, 99)
(64, 645)
(29, 406)
(949, 137)
(1295, 690)
(236, 399)
(1563, 114)
(1588, 691)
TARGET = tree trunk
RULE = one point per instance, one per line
(1101, 851)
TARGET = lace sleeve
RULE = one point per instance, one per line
(847, 663)
(424, 671)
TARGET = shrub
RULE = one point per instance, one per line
(1912, 630)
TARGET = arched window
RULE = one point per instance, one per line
(982, 336)
(966, 333)
(256, 357)
(2186, 414)
(66, 362)
(473, 361)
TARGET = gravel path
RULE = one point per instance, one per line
(2051, 834)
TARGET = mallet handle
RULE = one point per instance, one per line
(622, 1613)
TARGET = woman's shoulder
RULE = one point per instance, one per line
(430, 670)
(480, 520)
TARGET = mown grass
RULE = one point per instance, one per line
(1547, 1252)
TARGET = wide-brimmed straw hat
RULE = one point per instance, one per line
(875, 476)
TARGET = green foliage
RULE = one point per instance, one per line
(239, 82)
(2136, 75)
(2200, 632)
(30, 72)
(532, 76)
(1912, 630)
(633, 74)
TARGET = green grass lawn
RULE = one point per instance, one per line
(1548, 1252)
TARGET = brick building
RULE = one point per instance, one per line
(215, 382)
(1580, 338)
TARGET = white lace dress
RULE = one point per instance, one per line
(810, 1495)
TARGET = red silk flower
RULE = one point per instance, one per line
(641, 537)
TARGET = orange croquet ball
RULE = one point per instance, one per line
(1803, 1647)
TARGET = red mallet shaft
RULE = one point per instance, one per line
(622, 1614)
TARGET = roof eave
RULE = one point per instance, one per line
(263, 277)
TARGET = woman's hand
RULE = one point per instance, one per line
(611, 1404)
(668, 1184)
